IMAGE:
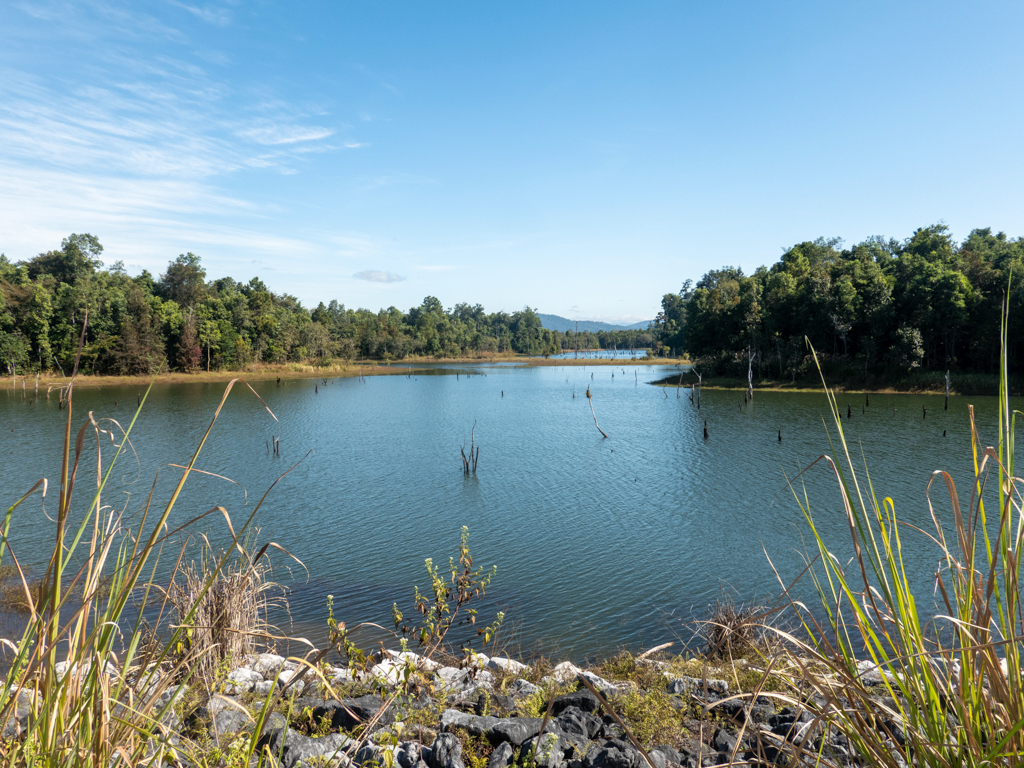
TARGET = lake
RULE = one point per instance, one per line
(599, 543)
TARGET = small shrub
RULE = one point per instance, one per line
(735, 631)
(222, 612)
(652, 718)
(476, 750)
(625, 666)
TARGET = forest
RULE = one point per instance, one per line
(882, 308)
(181, 321)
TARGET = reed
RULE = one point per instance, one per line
(905, 683)
(83, 687)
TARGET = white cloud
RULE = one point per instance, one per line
(378, 276)
(220, 17)
(272, 135)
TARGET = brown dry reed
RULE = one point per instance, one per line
(93, 690)
(223, 613)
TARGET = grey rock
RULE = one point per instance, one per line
(498, 663)
(345, 714)
(293, 747)
(583, 726)
(695, 686)
(742, 710)
(515, 730)
(17, 721)
(230, 720)
(522, 689)
(583, 700)
(446, 752)
(409, 754)
(614, 754)
(724, 742)
(501, 757)
(474, 725)
(550, 751)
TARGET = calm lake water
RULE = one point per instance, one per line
(599, 543)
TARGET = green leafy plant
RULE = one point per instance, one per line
(444, 606)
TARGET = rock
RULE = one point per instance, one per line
(583, 700)
(501, 664)
(614, 754)
(390, 672)
(742, 710)
(522, 689)
(501, 757)
(551, 749)
(230, 720)
(446, 752)
(464, 682)
(497, 730)
(242, 680)
(497, 704)
(583, 726)
(268, 664)
(409, 754)
(564, 672)
(690, 686)
(515, 730)
(725, 743)
(473, 724)
(16, 721)
(294, 747)
(610, 729)
(605, 687)
(417, 661)
(346, 713)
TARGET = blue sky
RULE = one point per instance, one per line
(582, 158)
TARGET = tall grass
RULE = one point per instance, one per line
(907, 684)
(82, 688)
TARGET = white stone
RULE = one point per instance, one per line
(389, 672)
(420, 662)
(565, 672)
(498, 663)
(242, 680)
(267, 664)
(600, 683)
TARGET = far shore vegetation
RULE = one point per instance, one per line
(884, 315)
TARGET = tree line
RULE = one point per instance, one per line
(882, 307)
(182, 321)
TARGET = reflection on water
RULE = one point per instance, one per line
(599, 542)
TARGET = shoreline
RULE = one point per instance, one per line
(977, 385)
(304, 371)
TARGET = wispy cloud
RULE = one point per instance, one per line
(436, 267)
(397, 178)
(220, 17)
(378, 276)
(272, 135)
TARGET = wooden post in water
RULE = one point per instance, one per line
(947, 390)
(590, 399)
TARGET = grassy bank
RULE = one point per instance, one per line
(336, 370)
(923, 383)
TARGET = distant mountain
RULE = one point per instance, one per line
(563, 324)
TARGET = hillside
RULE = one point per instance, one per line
(563, 324)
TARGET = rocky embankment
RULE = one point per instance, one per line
(409, 712)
